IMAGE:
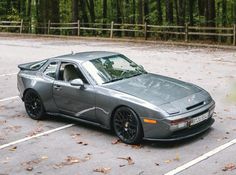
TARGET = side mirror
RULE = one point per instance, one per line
(77, 82)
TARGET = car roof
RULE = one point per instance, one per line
(85, 56)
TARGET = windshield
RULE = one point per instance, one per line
(110, 69)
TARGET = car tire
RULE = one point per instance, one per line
(127, 126)
(33, 105)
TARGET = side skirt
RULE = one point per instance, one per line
(79, 120)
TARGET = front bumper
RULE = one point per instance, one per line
(163, 131)
(186, 133)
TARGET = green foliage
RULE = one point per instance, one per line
(129, 11)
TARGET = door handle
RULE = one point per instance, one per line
(57, 87)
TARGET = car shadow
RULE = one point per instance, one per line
(178, 143)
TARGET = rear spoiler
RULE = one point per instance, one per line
(25, 66)
(32, 66)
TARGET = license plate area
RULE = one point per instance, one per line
(199, 119)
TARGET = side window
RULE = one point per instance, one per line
(51, 70)
(69, 72)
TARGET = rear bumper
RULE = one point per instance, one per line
(186, 133)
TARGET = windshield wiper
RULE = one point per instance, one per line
(135, 75)
(115, 79)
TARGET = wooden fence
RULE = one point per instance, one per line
(143, 30)
(12, 24)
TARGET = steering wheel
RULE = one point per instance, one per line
(124, 72)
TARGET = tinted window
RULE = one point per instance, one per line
(51, 70)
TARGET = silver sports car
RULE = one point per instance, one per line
(109, 90)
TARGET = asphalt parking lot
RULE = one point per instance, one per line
(62, 146)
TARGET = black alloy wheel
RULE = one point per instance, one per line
(127, 125)
(33, 105)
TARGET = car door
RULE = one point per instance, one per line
(76, 101)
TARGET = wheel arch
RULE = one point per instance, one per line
(113, 113)
(26, 90)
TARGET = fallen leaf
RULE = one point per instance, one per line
(177, 158)
(44, 157)
(137, 146)
(2, 122)
(30, 168)
(167, 161)
(129, 159)
(13, 148)
(87, 157)
(229, 167)
(35, 131)
(75, 135)
(102, 170)
(116, 141)
(71, 160)
(14, 128)
(82, 143)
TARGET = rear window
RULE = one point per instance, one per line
(37, 65)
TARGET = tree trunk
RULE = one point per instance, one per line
(75, 10)
(206, 13)
(84, 13)
(104, 15)
(118, 15)
(133, 12)
(177, 11)
(29, 10)
(234, 13)
(182, 5)
(146, 11)
(211, 14)
(75, 14)
(169, 11)
(140, 11)
(159, 12)
(104, 11)
(191, 6)
(90, 5)
(201, 7)
(224, 13)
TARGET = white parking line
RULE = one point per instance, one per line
(3, 75)
(201, 158)
(35, 136)
(9, 98)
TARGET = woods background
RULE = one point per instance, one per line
(37, 13)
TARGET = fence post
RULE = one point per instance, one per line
(49, 23)
(112, 26)
(21, 26)
(78, 23)
(145, 30)
(186, 32)
(234, 35)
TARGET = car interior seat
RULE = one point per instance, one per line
(70, 73)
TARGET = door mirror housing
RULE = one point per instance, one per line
(77, 82)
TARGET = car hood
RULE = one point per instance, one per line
(155, 89)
